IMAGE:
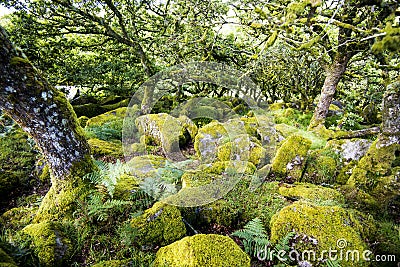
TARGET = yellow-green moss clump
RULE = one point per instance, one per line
(277, 106)
(49, 243)
(236, 166)
(160, 225)
(113, 115)
(5, 260)
(17, 218)
(311, 192)
(290, 158)
(105, 148)
(202, 250)
(197, 178)
(378, 171)
(325, 225)
(82, 120)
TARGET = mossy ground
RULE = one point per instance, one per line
(128, 227)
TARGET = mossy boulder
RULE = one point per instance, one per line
(160, 225)
(108, 117)
(290, 158)
(311, 192)
(197, 178)
(243, 148)
(377, 173)
(317, 142)
(6, 260)
(328, 226)
(17, 218)
(49, 243)
(142, 167)
(104, 148)
(107, 126)
(235, 166)
(353, 149)
(166, 131)
(207, 140)
(202, 250)
(321, 168)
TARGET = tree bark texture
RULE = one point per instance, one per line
(40, 110)
(333, 76)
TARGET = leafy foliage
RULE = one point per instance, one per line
(254, 237)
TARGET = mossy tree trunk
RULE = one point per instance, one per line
(46, 115)
(333, 75)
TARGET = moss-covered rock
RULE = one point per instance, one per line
(353, 149)
(235, 166)
(317, 142)
(207, 140)
(243, 148)
(142, 167)
(328, 226)
(17, 218)
(311, 192)
(110, 116)
(105, 148)
(6, 260)
(197, 178)
(345, 172)
(202, 250)
(290, 158)
(166, 131)
(321, 168)
(49, 243)
(160, 225)
(377, 173)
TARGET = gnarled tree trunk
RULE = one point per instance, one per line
(333, 76)
(45, 114)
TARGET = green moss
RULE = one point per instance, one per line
(289, 160)
(320, 168)
(5, 260)
(276, 106)
(144, 166)
(242, 148)
(189, 125)
(160, 225)
(219, 167)
(114, 263)
(82, 120)
(376, 173)
(61, 200)
(110, 116)
(202, 250)
(326, 224)
(124, 187)
(105, 148)
(17, 218)
(388, 239)
(49, 243)
(207, 140)
(164, 130)
(45, 175)
(311, 192)
(287, 130)
(17, 160)
(197, 178)
(345, 173)
(19, 60)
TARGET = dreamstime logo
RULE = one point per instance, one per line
(167, 130)
(340, 253)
